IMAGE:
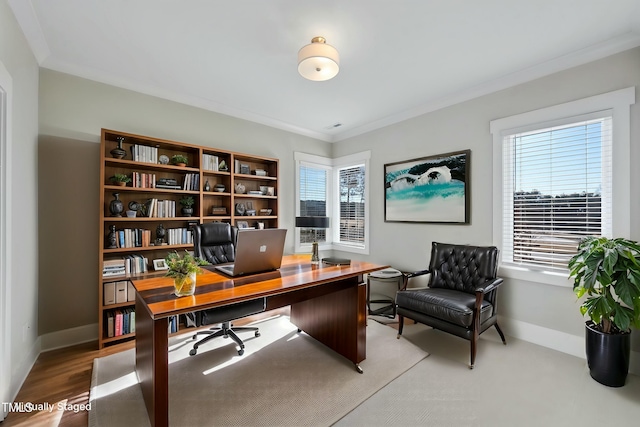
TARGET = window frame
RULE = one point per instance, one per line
(619, 103)
(342, 163)
(332, 195)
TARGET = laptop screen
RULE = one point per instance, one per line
(257, 251)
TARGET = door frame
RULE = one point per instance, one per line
(6, 88)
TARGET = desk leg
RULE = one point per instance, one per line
(152, 364)
(338, 320)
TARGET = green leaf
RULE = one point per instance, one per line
(610, 260)
(626, 291)
(622, 318)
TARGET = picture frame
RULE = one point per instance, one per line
(160, 264)
(242, 224)
(431, 189)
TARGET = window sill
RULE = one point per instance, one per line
(536, 276)
(348, 248)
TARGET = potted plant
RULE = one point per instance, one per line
(120, 179)
(179, 160)
(607, 271)
(187, 205)
(183, 270)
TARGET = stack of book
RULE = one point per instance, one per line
(118, 292)
(143, 180)
(144, 153)
(168, 183)
(133, 237)
(173, 324)
(191, 182)
(210, 162)
(121, 322)
(162, 209)
(179, 236)
(113, 267)
(135, 264)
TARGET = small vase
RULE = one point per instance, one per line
(115, 207)
(160, 233)
(207, 187)
(112, 238)
(119, 152)
(185, 285)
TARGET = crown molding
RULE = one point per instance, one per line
(27, 19)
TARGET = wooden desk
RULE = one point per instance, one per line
(327, 302)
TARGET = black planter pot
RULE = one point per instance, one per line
(607, 356)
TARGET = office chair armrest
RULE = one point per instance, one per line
(489, 285)
(408, 275)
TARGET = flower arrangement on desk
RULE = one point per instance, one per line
(184, 270)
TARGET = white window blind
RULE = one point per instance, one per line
(557, 190)
(313, 200)
(352, 204)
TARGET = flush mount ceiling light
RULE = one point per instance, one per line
(318, 61)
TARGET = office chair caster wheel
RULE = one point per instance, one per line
(257, 334)
(241, 352)
(193, 352)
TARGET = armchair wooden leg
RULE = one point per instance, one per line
(474, 343)
(400, 325)
(501, 334)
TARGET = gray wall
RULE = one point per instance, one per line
(466, 126)
(16, 57)
(72, 112)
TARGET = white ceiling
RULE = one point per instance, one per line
(398, 59)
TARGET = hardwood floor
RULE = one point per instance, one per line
(62, 379)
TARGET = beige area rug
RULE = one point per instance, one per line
(520, 384)
(285, 378)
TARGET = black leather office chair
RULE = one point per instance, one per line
(462, 295)
(216, 242)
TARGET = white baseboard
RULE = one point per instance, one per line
(556, 340)
(68, 337)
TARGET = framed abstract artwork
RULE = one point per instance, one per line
(428, 189)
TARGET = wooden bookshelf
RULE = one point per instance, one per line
(257, 175)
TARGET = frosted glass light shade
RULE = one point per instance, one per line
(318, 61)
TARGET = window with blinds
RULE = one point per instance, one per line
(313, 200)
(557, 189)
(336, 188)
(351, 182)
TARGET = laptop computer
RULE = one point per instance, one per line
(256, 251)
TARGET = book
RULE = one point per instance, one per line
(131, 292)
(117, 328)
(110, 324)
(132, 320)
(121, 291)
(109, 293)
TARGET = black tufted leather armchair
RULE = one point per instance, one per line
(462, 294)
(216, 242)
